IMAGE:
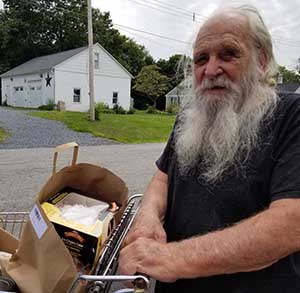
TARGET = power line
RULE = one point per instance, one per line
(154, 4)
(152, 34)
(180, 8)
(283, 41)
(174, 13)
(148, 39)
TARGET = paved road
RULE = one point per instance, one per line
(33, 132)
(24, 171)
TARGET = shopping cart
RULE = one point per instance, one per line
(107, 264)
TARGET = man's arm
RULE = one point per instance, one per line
(250, 245)
(148, 222)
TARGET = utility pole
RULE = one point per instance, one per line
(91, 62)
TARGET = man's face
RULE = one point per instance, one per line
(222, 52)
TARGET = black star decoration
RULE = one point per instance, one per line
(48, 79)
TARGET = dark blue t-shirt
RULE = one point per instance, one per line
(196, 207)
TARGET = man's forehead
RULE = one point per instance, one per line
(220, 25)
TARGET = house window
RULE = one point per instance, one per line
(18, 88)
(115, 98)
(96, 60)
(76, 95)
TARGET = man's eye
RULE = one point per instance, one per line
(201, 59)
(229, 54)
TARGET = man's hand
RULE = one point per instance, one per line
(149, 257)
(148, 226)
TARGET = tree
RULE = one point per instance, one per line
(151, 82)
(34, 28)
(288, 75)
(298, 66)
(130, 54)
(174, 68)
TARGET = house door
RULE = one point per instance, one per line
(35, 95)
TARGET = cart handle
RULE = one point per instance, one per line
(140, 282)
(62, 148)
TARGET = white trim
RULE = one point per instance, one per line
(74, 88)
(96, 73)
(97, 44)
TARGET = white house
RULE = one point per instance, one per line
(64, 77)
(178, 93)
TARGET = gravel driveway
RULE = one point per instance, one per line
(33, 132)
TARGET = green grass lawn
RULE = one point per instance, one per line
(137, 128)
(3, 135)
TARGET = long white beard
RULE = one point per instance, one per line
(221, 131)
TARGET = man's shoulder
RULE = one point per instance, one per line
(289, 102)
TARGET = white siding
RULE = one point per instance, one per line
(109, 78)
(65, 82)
(27, 90)
(79, 63)
(105, 86)
(69, 75)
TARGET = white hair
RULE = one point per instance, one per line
(259, 34)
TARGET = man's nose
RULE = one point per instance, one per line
(213, 68)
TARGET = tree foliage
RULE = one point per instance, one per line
(289, 76)
(174, 68)
(130, 54)
(32, 28)
(151, 82)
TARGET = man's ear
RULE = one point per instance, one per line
(262, 57)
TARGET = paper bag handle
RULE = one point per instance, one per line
(64, 147)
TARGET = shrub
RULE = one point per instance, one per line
(50, 106)
(130, 111)
(172, 108)
(118, 109)
(151, 110)
(102, 108)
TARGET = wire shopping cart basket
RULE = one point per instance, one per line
(13, 222)
(107, 264)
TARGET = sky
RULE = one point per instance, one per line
(172, 20)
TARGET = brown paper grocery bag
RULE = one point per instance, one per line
(8, 242)
(87, 179)
(42, 263)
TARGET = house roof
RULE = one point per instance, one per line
(288, 87)
(43, 63)
(185, 83)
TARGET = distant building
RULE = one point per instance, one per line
(178, 93)
(288, 87)
(64, 77)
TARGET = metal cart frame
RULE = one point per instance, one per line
(107, 264)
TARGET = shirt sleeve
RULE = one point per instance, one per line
(285, 178)
(166, 157)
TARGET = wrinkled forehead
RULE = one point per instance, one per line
(219, 26)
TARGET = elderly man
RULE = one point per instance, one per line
(227, 188)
